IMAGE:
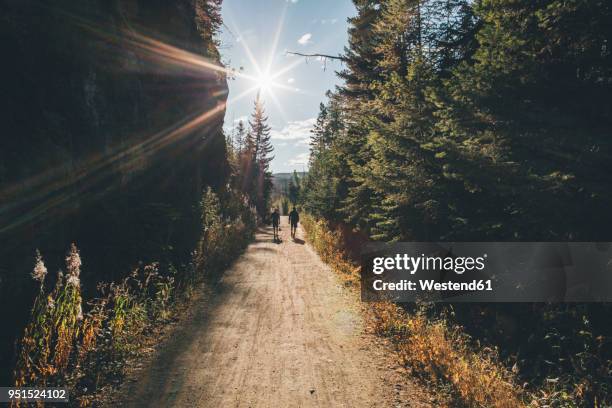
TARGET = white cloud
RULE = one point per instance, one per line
(294, 130)
(299, 160)
(291, 80)
(305, 39)
(292, 1)
(333, 20)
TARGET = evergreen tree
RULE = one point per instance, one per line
(326, 184)
(320, 139)
(351, 150)
(247, 165)
(528, 109)
(360, 56)
(240, 137)
(259, 148)
(401, 171)
(464, 120)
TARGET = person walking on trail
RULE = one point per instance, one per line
(275, 223)
(294, 218)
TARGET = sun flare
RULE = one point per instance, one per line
(264, 82)
(264, 79)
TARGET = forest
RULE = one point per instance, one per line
(485, 120)
(462, 120)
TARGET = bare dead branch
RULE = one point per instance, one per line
(333, 57)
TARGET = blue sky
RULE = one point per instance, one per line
(299, 84)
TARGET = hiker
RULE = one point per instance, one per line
(294, 218)
(275, 223)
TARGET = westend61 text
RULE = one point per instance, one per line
(431, 285)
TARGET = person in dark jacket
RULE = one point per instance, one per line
(275, 223)
(294, 218)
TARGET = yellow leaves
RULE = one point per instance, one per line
(433, 348)
(326, 244)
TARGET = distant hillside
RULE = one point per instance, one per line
(281, 180)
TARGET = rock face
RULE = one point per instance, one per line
(111, 127)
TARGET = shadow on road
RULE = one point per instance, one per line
(265, 249)
(159, 387)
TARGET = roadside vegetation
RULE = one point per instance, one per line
(466, 369)
(111, 147)
(84, 344)
(475, 121)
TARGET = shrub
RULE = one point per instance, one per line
(54, 328)
(434, 349)
(440, 351)
(328, 244)
(62, 346)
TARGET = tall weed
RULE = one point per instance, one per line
(69, 344)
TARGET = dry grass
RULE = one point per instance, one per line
(85, 347)
(441, 352)
(327, 244)
(435, 350)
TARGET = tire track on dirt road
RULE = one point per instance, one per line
(277, 330)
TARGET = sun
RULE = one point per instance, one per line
(265, 81)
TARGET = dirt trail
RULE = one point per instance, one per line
(279, 330)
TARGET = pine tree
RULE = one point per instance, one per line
(325, 186)
(259, 148)
(246, 164)
(451, 33)
(319, 141)
(240, 137)
(467, 120)
(208, 22)
(351, 150)
(359, 56)
(400, 171)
